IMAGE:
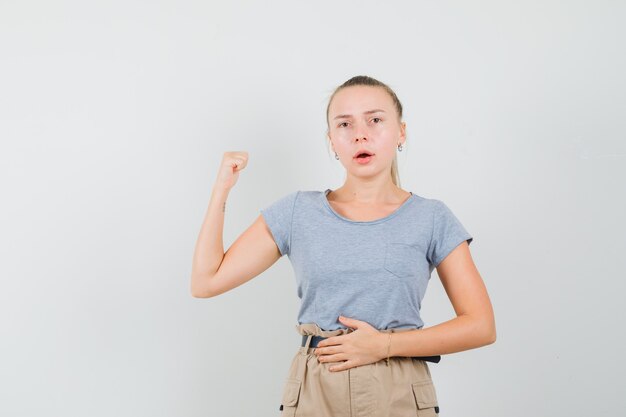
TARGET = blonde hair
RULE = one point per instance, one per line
(372, 82)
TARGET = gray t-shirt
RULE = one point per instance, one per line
(376, 271)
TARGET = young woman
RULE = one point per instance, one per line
(363, 255)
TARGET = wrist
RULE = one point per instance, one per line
(380, 347)
(384, 345)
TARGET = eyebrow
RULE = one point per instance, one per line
(343, 116)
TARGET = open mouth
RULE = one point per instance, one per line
(363, 158)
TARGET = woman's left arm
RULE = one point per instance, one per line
(474, 325)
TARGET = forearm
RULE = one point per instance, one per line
(209, 250)
(458, 334)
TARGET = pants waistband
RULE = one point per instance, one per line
(316, 339)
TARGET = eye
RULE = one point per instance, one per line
(340, 124)
(376, 118)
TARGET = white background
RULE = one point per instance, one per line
(114, 116)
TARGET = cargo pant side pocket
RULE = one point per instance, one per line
(291, 394)
(425, 398)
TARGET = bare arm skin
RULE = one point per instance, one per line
(213, 271)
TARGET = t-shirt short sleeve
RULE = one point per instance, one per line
(278, 216)
(448, 233)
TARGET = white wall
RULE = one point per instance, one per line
(114, 117)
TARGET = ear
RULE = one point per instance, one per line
(402, 137)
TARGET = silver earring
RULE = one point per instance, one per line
(399, 147)
(336, 156)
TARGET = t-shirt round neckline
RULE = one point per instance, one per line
(382, 219)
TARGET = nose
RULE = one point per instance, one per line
(360, 131)
(360, 136)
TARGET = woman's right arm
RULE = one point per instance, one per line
(214, 271)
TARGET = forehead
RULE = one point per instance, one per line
(357, 99)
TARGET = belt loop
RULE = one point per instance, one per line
(303, 349)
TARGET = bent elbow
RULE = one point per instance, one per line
(200, 291)
(201, 294)
(197, 294)
(487, 331)
(491, 335)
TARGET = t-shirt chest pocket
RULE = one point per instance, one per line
(401, 259)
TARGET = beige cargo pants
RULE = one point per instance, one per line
(402, 389)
